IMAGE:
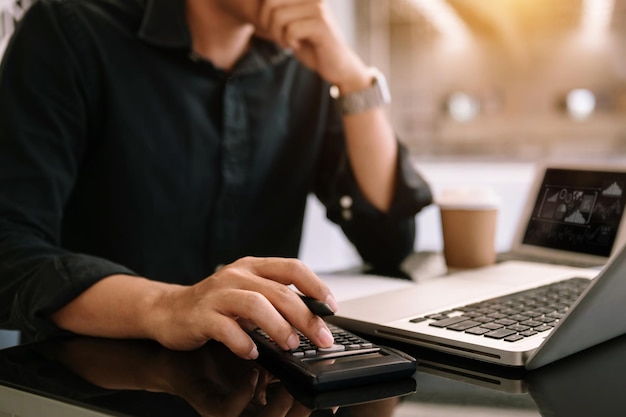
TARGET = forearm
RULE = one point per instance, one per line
(119, 306)
(370, 140)
(372, 151)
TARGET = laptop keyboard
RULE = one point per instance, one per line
(512, 317)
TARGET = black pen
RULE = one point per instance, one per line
(316, 306)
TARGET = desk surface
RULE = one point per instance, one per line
(93, 377)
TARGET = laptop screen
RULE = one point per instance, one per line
(577, 211)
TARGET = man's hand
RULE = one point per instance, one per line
(309, 29)
(248, 292)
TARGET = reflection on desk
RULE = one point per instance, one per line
(135, 378)
(589, 383)
(141, 378)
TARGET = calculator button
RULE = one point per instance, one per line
(333, 348)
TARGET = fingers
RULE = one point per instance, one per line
(278, 274)
(254, 306)
(284, 21)
(292, 272)
(293, 309)
(228, 331)
(278, 16)
(269, 303)
(277, 313)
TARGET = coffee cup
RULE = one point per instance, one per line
(468, 223)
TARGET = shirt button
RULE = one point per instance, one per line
(345, 201)
(346, 214)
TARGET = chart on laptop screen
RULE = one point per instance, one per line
(577, 211)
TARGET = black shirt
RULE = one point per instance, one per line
(123, 152)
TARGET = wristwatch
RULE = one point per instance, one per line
(376, 95)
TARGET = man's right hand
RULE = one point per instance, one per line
(249, 292)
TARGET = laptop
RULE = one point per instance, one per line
(574, 215)
(474, 313)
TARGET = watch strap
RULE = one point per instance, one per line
(376, 95)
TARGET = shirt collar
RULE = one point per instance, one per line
(164, 24)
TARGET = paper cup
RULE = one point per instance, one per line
(468, 224)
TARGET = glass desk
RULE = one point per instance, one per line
(82, 376)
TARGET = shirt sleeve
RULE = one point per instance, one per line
(42, 131)
(383, 240)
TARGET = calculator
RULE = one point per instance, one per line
(350, 361)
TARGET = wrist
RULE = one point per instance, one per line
(360, 81)
(373, 93)
(156, 310)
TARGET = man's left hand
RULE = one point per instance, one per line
(309, 29)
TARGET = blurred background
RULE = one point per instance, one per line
(501, 79)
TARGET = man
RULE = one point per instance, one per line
(145, 144)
